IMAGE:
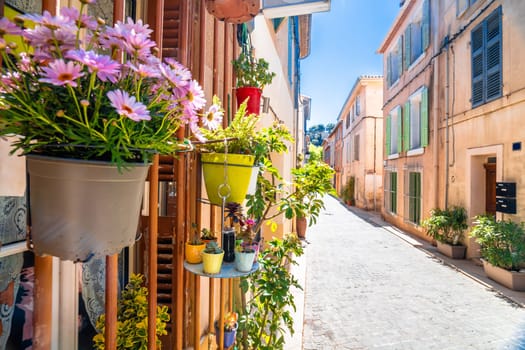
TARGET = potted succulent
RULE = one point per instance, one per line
(447, 226)
(194, 247)
(502, 249)
(212, 257)
(208, 236)
(248, 248)
(132, 318)
(252, 76)
(89, 123)
(230, 329)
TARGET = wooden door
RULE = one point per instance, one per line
(490, 188)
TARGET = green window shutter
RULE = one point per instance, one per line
(424, 117)
(389, 69)
(406, 52)
(387, 136)
(426, 24)
(399, 56)
(406, 127)
(399, 130)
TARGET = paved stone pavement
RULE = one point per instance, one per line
(367, 288)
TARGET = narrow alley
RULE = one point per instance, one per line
(367, 288)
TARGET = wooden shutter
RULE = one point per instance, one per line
(406, 127)
(171, 29)
(387, 135)
(399, 130)
(407, 55)
(393, 191)
(424, 117)
(426, 24)
(493, 55)
(399, 57)
(477, 48)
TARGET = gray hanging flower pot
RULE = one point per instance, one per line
(83, 208)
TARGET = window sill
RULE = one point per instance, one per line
(393, 156)
(416, 152)
(416, 61)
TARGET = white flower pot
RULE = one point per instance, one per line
(244, 261)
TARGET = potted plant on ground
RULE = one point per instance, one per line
(194, 247)
(252, 75)
(447, 227)
(230, 329)
(132, 318)
(89, 124)
(502, 249)
(347, 193)
(212, 257)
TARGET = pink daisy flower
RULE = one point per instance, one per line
(128, 106)
(144, 71)
(7, 27)
(138, 44)
(85, 21)
(195, 95)
(213, 118)
(60, 73)
(106, 68)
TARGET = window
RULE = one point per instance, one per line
(486, 59)
(417, 35)
(357, 106)
(394, 63)
(413, 197)
(348, 120)
(356, 147)
(393, 132)
(348, 152)
(415, 121)
(391, 192)
(463, 5)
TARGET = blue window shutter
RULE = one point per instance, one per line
(426, 24)
(477, 44)
(407, 54)
(399, 130)
(389, 69)
(406, 127)
(399, 57)
(388, 136)
(493, 55)
(424, 117)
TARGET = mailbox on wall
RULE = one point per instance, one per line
(506, 197)
(506, 189)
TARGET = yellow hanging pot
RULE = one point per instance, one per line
(227, 175)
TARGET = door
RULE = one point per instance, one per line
(490, 188)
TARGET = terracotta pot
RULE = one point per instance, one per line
(301, 224)
(452, 251)
(253, 95)
(193, 252)
(233, 11)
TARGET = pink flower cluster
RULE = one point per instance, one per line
(102, 76)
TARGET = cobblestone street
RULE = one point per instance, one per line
(367, 288)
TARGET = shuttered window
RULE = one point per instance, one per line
(486, 40)
(390, 195)
(393, 132)
(417, 35)
(413, 197)
(415, 121)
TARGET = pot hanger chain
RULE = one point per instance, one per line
(224, 189)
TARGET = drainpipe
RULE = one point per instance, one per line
(435, 143)
(447, 115)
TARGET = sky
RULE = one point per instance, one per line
(344, 43)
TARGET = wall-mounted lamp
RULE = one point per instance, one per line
(265, 104)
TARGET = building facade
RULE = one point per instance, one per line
(362, 128)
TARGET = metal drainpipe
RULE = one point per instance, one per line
(447, 112)
(435, 143)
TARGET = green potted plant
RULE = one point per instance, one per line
(208, 235)
(247, 249)
(348, 190)
(231, 157)
(84, 116)
(212, 257)
(252, 75)
(502, 249)
(194, 247)
(447, 227)
(132, 318)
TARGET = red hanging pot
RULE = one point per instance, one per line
(233, 11)
(253, 95)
